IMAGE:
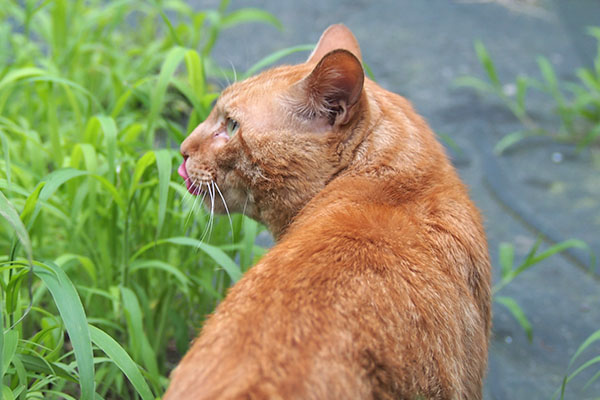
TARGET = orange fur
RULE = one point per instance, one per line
(379, 284)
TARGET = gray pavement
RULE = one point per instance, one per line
(417, 48)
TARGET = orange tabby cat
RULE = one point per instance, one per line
(379, 284)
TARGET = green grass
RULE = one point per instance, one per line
(108, 268)
(509, 272)
(104, 279)
(576, 104)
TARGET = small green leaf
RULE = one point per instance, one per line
(19, 74)
(507, 259)
(53, 181)
(474, 83)
(557, 248)
(508, 141)
(8, 349)
(140, 167)
(122, 360)
(8, 212)
(517, 313)
(487, 63)
(276, 56)
(594, 337)
(522, 85)
(140, 265)
(245, 15)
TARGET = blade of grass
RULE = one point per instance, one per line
(246, 15)
(119, 356)
(137, 334)
(517, 313)
(195, 68)
(167, 70)
(163, 164)
(71, 311)
(140, 265)
(19, 74)
(8, 347)
(6, 151)
(488, 64)
(218, 255)
(8, 212)
(507, 258)
(109, 128)
(53, 181)
(274, 57)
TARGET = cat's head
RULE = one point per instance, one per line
(273, 141)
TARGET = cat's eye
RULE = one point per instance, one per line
(232, 126)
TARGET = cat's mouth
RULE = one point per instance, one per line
(191, 186)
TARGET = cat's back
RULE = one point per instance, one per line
(351, 299)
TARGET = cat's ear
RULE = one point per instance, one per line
(331, 92)
(335, 37)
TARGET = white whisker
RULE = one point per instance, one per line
(191, 212)
(245, 203)
(208, 226)
(226, 209)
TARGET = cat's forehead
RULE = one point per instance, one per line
(267, 84)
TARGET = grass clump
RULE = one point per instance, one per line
(577, 104)
(103, 283)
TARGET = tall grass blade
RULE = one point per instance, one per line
(8, 348)
(109, 128)
(8, 212)
(167, 70)
(163, 163)
(218, 255)
(119, 356)
(71, 311)
(137, 334)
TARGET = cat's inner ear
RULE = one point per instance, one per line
(335, 37)
(331, 92)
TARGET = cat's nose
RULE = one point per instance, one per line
(188, 146)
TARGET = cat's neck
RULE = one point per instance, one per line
(388, 145)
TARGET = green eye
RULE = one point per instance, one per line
(232, 126)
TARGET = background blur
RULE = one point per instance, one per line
(108, 265)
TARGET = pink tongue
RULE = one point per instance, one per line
(182, 171)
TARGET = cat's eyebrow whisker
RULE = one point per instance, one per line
(226, 208)
(234, 71)
(222, 70)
